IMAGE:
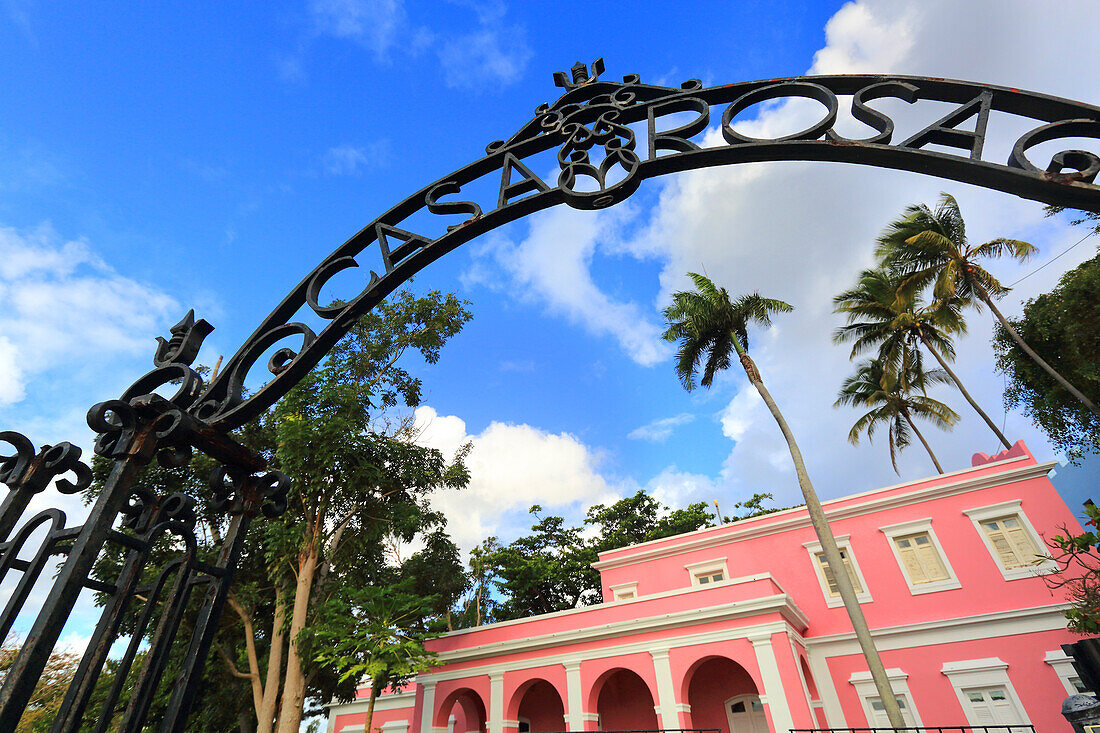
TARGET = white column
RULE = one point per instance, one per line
(427, 710)
(496, 702)
(574, 707)
(776, 698)
(666, 697)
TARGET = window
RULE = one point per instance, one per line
(920, 558)
(1063, 667)
(985, 692)
(831, 585)
(923, 564)
(878, 712)
(872, 703)
(1011, 540)
(707, 572)
(825, 575)
(624, 591)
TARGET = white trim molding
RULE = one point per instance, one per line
(949, 484)
(865, 689)
(707, 567)
(1011, 509)
(843, 543)
(619, 590)
(917, 526)
(1063, 667)
(989, 672)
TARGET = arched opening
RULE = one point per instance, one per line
(624, 702)
(722, 695)
(540, 709)
(462, 711)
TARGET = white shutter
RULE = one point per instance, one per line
(908, 553)
(830, 579)
(1011, 541)
(1021, 541)
(930, 559)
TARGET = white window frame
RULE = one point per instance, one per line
(917, 526)
(843, 542)
(1062, 665)
(989, 672)
(630, 590)
(707, 567)
(865, 688)
(1010, 509)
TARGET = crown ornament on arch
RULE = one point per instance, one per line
(580, 75)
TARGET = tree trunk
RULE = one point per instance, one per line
(1038, 359)
(958, 383)
(370, 708)
(924, 442)
(294, 684)
(265, 720)
(253, 659)
(830, 549)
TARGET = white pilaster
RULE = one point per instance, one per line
(574, 707)
(496, 702)
(427, 711)
(666, 697)
(773, 682)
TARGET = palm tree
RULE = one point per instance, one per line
(888, 394)
(897, 327)
(711, 328)
(930, 247)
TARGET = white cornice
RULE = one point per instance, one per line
(780, 602)
(392, 701)
(575, 658)
(980, 626)
(796, 518)
(599, 606)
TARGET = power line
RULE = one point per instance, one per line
(1025, 277)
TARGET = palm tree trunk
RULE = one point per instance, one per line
(1038, 359)
(905, 414)
(958, 383)
(829, 548)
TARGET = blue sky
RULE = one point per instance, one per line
(161, 156)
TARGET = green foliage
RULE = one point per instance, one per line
(711, 326)
(1079, 558)
(890, 396)
(550, 569)
(385, 639)
(929, 248)
(361, 489)
(1063, 326)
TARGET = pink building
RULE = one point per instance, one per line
(739, 628)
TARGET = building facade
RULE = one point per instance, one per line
(740, 627)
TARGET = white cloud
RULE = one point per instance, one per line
(351, 160)
(552, 266)
(373, 23)
(61, 306)
(511, 468)
(659, 430)
(486, 58)
(491, 55)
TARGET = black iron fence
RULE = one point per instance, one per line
(923, 729)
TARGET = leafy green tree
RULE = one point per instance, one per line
(1079, 578)
(1064, 326)
(385, 642)
(48, 692)
(930, 248)
(542, 572)
(898, 327)
(893, 404)
(550, 569)
(711, 327)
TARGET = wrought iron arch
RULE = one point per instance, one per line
(590, 127)
(594, 113)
